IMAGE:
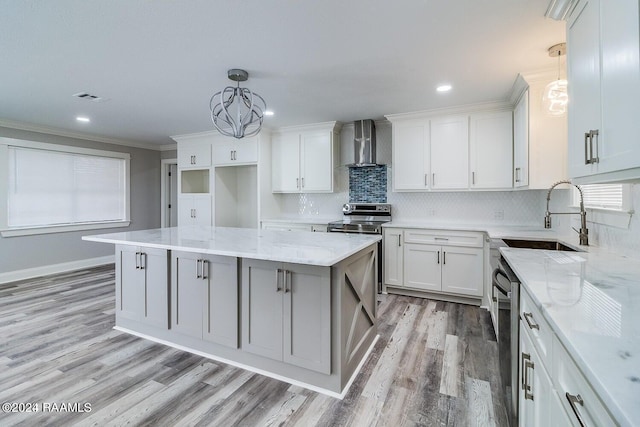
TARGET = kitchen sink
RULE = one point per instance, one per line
(538, 244)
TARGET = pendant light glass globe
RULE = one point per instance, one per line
(555, 98)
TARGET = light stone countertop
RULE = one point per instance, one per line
(300, 247)
(592, 303)
(303, 219)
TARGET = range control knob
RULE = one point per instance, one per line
(346, 207)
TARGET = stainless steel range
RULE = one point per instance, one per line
(364, 218)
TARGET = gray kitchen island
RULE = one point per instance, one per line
(295, 306)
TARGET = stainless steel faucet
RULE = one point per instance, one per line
(583, 232)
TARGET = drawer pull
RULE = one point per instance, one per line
(441, 238)
(572, 402)
(531, 323)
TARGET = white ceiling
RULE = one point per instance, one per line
(158, 62)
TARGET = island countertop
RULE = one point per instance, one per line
(300, 247)
(592, 303)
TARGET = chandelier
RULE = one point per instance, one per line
(237, 111)
(555, 98)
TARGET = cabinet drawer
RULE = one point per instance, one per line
(444, 237)
(536, 327)
(571, 385)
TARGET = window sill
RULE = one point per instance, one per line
(608, 217)
(64, 228)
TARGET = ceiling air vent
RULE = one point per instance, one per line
(89, 97)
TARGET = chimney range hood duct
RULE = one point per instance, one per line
(364, 143)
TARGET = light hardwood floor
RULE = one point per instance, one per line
(434, 364)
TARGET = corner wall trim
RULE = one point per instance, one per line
(45, 270)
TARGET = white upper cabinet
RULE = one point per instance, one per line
(450, 153)
(470, 150)
(521, 142)
(491, 150)
(232, 152)
(194, 152)
(304, 158)
(604, 90)
(411, 159)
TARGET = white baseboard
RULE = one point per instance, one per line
(45, 270)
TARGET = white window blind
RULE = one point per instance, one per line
(47, 188)
(603, 196)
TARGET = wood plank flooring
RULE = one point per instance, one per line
(435, 364)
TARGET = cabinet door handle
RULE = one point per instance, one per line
(278, 288)
(531, 323)
(586, 148)
(137, 261)
(302, 181)
(473, 178)
(205, 269)
(426, 180)
(444, 257)
(399, 240)
(526, 364)
(517, 174)
(595, 133)
(198, 263)
(572, 402)
(143, 260)
(433, 179)
(298, 183)
(230, 154)
(287, 281)
(438, 258)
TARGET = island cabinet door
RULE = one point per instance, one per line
(142, 285)
(187, 294)
(221, 311)
(262, 304)
(307, 317)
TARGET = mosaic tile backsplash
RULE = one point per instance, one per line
(368, 184)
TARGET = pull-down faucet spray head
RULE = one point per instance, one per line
(583, 232)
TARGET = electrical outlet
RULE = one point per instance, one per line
(498, 215)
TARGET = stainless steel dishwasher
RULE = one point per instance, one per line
(506, 291)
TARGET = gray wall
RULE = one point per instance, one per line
(169, 154)
(18, 253)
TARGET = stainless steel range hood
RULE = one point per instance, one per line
(364, 144)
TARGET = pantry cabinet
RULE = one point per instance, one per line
(304, 158)
(204, 297)
(603, 65)
(286, 313)
(142, 285)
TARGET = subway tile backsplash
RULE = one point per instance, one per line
(368, 184)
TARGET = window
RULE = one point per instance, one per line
(607, 204)
(50, 188)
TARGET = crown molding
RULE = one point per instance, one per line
(30, 127)
(461, 109)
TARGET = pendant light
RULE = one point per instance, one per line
(555, 98)
(237, 111)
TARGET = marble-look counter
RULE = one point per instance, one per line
(302, 219)
(592, 302)
(300, 247)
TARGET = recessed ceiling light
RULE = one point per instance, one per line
(83, 119)
(443, 88)
(268, 113)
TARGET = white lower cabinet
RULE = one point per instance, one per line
(449, 262)
(142, 285)
(393, 256)
(204, 297)
(538, 403)
(286, 312)
(553, 391)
